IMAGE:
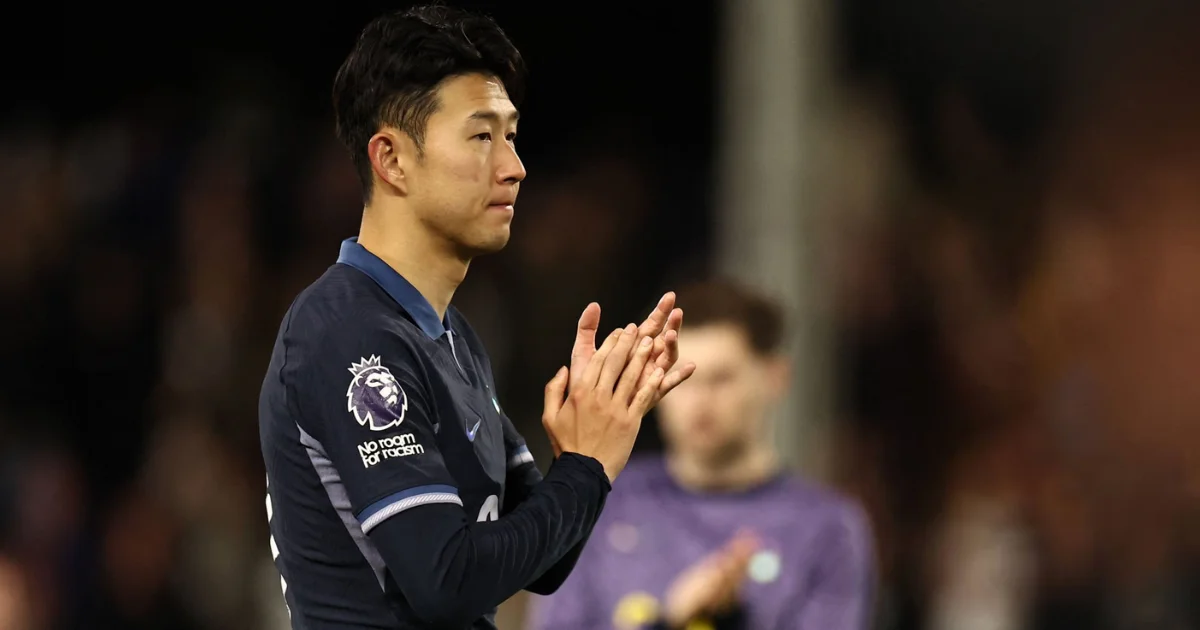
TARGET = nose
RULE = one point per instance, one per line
(509, 169)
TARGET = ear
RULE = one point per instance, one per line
(389, 153)
(778, 375)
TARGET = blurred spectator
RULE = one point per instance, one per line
(138, 558)
(15, 613)
(1053, 287)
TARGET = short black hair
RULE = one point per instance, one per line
(724, 301)
(392, 74)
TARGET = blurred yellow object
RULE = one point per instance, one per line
(636, 610)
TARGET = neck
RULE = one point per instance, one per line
(752, 467)
(425, 261)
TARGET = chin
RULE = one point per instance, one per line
(492, 245)
(715, 452)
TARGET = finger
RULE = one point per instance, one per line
(674, 320)
(632, 375)
(585, 340)
(591, 372)
(671, 340)
(555, 390)
(729, 588)
(660, 346)
(646, 395)
(741, 549)
(616, 361)
(725, 581)
(743, 546)
(647, 369)
(670, 350)
(675, 379)
(734, 571)
(659, 317)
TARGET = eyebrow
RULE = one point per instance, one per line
(492, 116)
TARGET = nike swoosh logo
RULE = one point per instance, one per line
(472, 430)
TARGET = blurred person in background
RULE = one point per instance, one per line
(714, 533)
(15, 609)
(138, 558)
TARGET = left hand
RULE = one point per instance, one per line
(662, 325)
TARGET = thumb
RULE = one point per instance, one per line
(556, 390)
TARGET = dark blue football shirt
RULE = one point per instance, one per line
(399, 494)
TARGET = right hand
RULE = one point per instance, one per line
(710, 586)
(603, 414)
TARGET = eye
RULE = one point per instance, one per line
(485, 136)
(511, 137)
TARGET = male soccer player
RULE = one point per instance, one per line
(714, 534)
(399, 494)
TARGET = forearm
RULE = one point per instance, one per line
(460, 570)
(521, 482)
(554, 577)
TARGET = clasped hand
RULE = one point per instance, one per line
(596, 406)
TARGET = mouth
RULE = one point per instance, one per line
(501, 205)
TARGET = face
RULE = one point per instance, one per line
(721, 410)
(465, 184)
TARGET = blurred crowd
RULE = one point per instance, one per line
(140, 299)
(1020, 366)
(1017, 333)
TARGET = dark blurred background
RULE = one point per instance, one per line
(985, 218)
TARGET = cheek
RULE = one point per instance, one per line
(469, 168)
(742, 401)
(458, 162)
(737, 404)
(452, 179)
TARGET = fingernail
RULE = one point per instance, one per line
(630, 329)
(658, 373)
(645, 341)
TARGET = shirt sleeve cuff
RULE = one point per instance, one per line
(393, 504)
(575, 461)
(520, 457)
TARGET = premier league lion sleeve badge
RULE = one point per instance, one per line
(375, 396)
